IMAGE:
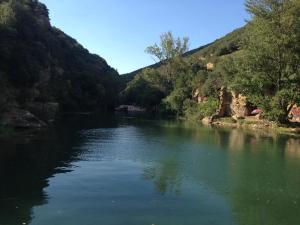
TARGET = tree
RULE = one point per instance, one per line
(169, 47)
(150, 86)
(143, 92)
(7, 15)
(269, 70)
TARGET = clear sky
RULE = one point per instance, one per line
(120, 30)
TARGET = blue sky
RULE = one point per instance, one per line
(120, 30)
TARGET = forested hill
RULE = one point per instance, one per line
(259, 63)
(223, 46)
(40, 63)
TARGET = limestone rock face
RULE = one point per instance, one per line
(207, 121)
(210, 66)
(295, 114)
(225, 103)
(233, 104)
(19, 118)
(45, 111)
(240, 105)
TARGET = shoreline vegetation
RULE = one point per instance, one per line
(251, 124)
(255, 67)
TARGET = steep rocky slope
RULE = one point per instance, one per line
(42, 68)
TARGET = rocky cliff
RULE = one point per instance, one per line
(41, 65)
(233, 104)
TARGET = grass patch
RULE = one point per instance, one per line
(248, 122)
(227, 120)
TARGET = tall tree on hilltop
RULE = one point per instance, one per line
(170, 51)
(169, 47)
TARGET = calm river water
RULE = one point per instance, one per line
(127, 171)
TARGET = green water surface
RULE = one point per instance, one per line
(96, 170)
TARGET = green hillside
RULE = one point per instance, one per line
(254, 67)
(223, 46)
(172, 86)
(40, 63)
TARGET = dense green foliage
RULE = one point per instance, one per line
(7, 14)
(151, 86)
(39, 63)
(196, 111)
(260, 60)
(169, 47)
(170, 85)
(268, 70)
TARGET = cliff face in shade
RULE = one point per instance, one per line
(41, 64)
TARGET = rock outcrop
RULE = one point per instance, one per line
(210, 66)
(45, 111)
(19, 118)
(225, 103)
(207, 120)
(240, 106)
(130, 109)
(233, 104)
(295, 114)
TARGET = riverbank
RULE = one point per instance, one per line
(252, 123)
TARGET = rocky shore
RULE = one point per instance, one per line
(31, 116)
(254, 124)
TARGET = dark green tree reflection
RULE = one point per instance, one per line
(258, 172)
(27, 162)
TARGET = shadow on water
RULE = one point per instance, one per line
(29, 160)
(259, 174)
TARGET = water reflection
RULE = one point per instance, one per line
(292, 148)
(29, 160)
(200, 173)
(165, 176)
(259, 172)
